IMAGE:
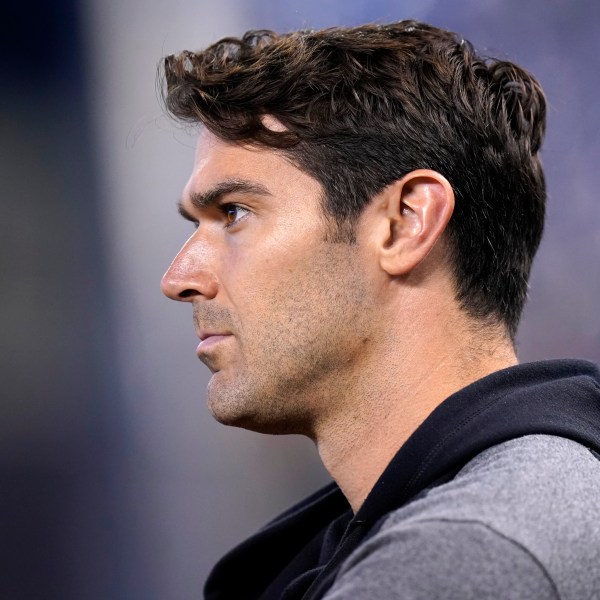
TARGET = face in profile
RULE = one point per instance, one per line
(283, 315)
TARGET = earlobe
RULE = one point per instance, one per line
(418, 208)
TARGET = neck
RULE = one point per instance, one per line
(396, 392)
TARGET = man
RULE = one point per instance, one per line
(368, 203)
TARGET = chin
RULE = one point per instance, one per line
(257, 422)
(248, 411)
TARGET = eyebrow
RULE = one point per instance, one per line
(202, 200)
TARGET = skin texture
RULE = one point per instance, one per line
(335, 341)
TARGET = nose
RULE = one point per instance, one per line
(189, 275)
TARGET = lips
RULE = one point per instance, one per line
(205, 334)
(210, 340)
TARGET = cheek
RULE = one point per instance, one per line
(289, 290)
(319, 294)
(257, 274)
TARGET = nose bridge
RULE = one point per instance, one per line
(191, 273)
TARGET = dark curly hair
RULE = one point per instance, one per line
(364, 106)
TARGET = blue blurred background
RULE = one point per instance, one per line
(114, 481)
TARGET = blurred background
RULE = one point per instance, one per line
(115, 483)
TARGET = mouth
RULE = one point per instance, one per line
(209, 340)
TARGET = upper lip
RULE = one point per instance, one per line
(206, 334)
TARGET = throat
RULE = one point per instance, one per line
(358, 442)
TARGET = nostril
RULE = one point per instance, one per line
(187, 293)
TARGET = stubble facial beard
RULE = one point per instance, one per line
(297, 360)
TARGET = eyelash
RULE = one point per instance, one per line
(225, 209)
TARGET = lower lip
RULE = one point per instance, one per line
(210, 342)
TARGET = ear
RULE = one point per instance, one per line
(413, 213)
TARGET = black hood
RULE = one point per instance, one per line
(297, 555)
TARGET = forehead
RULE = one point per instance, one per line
(216, 161)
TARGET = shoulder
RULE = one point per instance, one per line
(521, 519)
(517, 487)
(512, 481)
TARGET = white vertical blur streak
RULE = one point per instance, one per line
(195, 487)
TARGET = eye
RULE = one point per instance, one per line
(233, 213)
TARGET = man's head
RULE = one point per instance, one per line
(360, 108)
(363, 198)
